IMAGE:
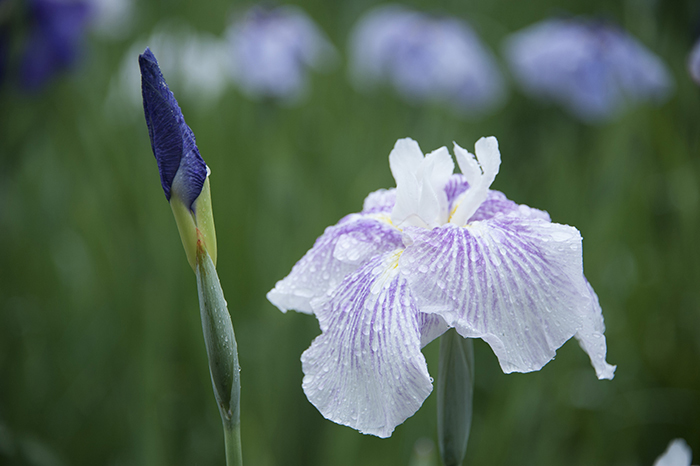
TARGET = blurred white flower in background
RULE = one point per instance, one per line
(273, 48)
(425, 58)
(592, 68)
(196, 64)
(113, 18)
(677, 454)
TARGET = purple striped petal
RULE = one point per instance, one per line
(338, 252)
(366, 369)
(380, 202)
(517, 283)
(497, 203)
(172, 141)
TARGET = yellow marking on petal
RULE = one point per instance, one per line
(390, 269)
(381, 217)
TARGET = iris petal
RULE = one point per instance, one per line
(172, 141)
(420, 181)
(517, 283)
(339, 251)
(366, 369)
(380, 201)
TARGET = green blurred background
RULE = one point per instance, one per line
(102, 360)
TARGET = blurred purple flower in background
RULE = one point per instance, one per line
(55, 31)
(694, 63)
(3, 45)
(425, 58)
(590, 67)
(439, 251)
(272, 49)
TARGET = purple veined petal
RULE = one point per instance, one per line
(497, 203)
(678, 453)
(379, 202)
(455, 186)
(172, 141)
(338, 252)
(366, 369)
(57, 28)
(431, 326)
(694, 63)
(516, 283)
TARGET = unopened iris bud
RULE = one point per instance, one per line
(183, 173)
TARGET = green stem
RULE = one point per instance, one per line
(222, 352)
(232, 442)
(455, 389)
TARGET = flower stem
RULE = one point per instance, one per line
(455, 389)
(222, 352)
(232, 442)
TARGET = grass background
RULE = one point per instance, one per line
(102, 360)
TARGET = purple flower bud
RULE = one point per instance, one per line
(56, 29)
(172, 141)
(425, 58)
(590, 67)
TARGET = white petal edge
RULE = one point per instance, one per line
(678, 453)
(366, 369)
(592, 340)
(480, 170)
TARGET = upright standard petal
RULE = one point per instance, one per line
(420, 184)
(480, 171)
(516, 283)
(366, 369)
(172, 141)
(338, 252)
